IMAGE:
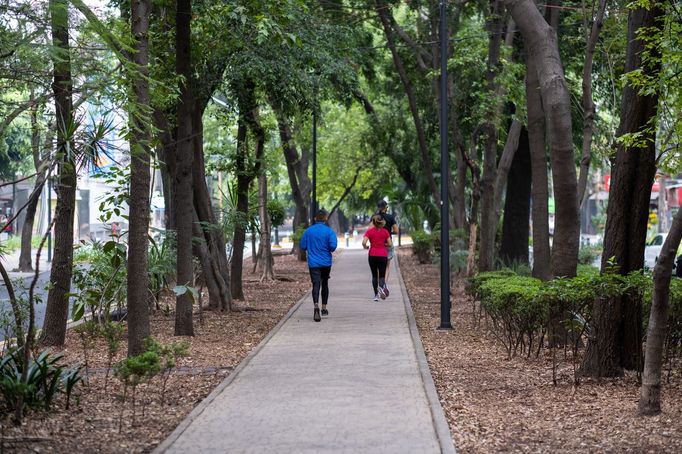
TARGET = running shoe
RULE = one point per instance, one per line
(386, 291)
(376, 297)
(382, 295)
(316, 314)
(325, 312)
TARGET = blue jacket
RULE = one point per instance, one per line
(320, 241)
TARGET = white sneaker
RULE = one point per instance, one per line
(376, 298)
(382, 295)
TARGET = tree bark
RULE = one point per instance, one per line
(384, 15)
(184, 193)
(239, 237)
(494, 24)
(297, 170)
(514, 248)
(650, 392)
(218, 271)
(39, 163)
(138, 242)
(541, 44)
(57, 311)
(539, 189)
(589, 111)
(166, 153)
(616, 339)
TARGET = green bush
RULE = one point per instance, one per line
(422, 245)
(588, 254)
(46, 378)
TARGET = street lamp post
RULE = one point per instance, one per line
(313, 201)
(444, 197)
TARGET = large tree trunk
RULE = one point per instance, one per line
(184, 192)
(39, 163)
(266, 251)
(650, 392)
(494, 26)
(297, 169)
(541, 45)
(138, 273)
(239, 237)
(589, 109)
(384, 15)
(57, 311)
(540, 185)
(616, 338)
(218, 271)
(514, 249)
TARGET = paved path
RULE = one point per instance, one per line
(356, 382)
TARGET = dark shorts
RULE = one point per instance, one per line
(321, 273)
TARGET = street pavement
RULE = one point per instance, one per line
(356, 382)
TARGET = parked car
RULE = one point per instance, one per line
(653, 250)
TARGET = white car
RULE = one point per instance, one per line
(653, 250)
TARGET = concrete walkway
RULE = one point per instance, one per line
(355, 382)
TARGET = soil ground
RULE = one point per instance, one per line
(220, 343)
(497, 405)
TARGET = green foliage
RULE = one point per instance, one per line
(589, 253)
(46, 378)
(100, 284)
(277, 212)
(423, 245)
(523, 308)
(138, 369)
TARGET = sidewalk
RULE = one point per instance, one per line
(356, 382)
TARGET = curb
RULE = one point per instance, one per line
(440, 423)
(199, 409)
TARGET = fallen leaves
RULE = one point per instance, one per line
(494, 404)
(220, 343)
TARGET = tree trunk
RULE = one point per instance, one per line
(57, 311)
(239, 237)
(138, 242)
(297, 169)
(541, 45)
(166, 154)
(494, 25)
(587, 102)
(266, 251)
(184, 193)
(384, 15)
(650, 392)
(39, 163)
(218, 271)
(514, 249)
(540, 185)
(616, 339)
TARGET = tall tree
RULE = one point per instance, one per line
(140, 140)
(57, 311)
(615, 340)
(540, 185)
(514, 247)
(184, 192)
(540, 41)
(650, 392)
(40, 163)
(384, 13)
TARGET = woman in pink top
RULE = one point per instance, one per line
(378, 238)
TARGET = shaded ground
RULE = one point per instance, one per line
(219, 345)
(493, 404)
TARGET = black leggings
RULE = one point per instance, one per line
(320, 278)
(378, 267)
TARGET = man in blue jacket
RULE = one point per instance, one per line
(320, 241)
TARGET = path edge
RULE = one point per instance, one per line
(199, 409)
(447, 445)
